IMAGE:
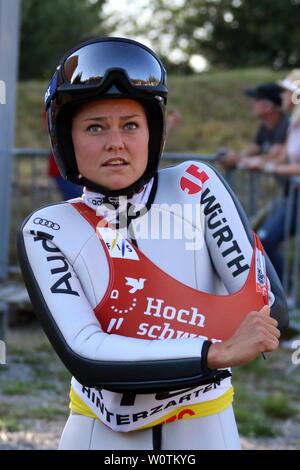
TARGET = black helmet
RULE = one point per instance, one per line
(100, 68)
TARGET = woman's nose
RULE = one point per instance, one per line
(114, 140)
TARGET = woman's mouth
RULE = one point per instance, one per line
(115, 162)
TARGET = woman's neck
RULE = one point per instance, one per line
(95, 200)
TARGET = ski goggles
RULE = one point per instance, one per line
(89, 65)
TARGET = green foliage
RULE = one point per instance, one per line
(9, 425)
(278, 405)
(48, 413)
(265, 396)
(251, 416)
(49, 28)
(254, 424)
(244, 34)
(229, 33)
(17, 387)
(215, 111)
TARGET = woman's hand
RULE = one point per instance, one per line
(257, 333)
(252, 163)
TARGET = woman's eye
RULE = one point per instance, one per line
(94, 128)
(131, 125)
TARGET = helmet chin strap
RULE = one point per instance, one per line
(129, 191)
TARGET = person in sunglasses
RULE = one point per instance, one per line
(151, 285)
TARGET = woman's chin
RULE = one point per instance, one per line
(115, 184)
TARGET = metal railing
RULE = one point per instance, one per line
(32, 188)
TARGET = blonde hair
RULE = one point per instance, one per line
(292, 83)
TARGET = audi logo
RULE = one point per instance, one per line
(96, 202)
(46, 223)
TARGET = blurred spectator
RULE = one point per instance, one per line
(288, 164)
(174, 118)
(67, 189)
(271, 134)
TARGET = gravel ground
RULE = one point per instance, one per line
(41, 436)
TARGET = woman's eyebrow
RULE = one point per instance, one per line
(96, 118)
(103, 118)
(130, 116)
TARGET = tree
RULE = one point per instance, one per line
(229, 33)
(49, 28)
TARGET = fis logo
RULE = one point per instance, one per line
(117, 246)
(2, 92)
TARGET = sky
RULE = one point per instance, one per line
(124, 8)
(119, 5)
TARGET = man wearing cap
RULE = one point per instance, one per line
(275, 229)
(271, 134)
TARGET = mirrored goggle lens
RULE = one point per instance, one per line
(89, 64)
